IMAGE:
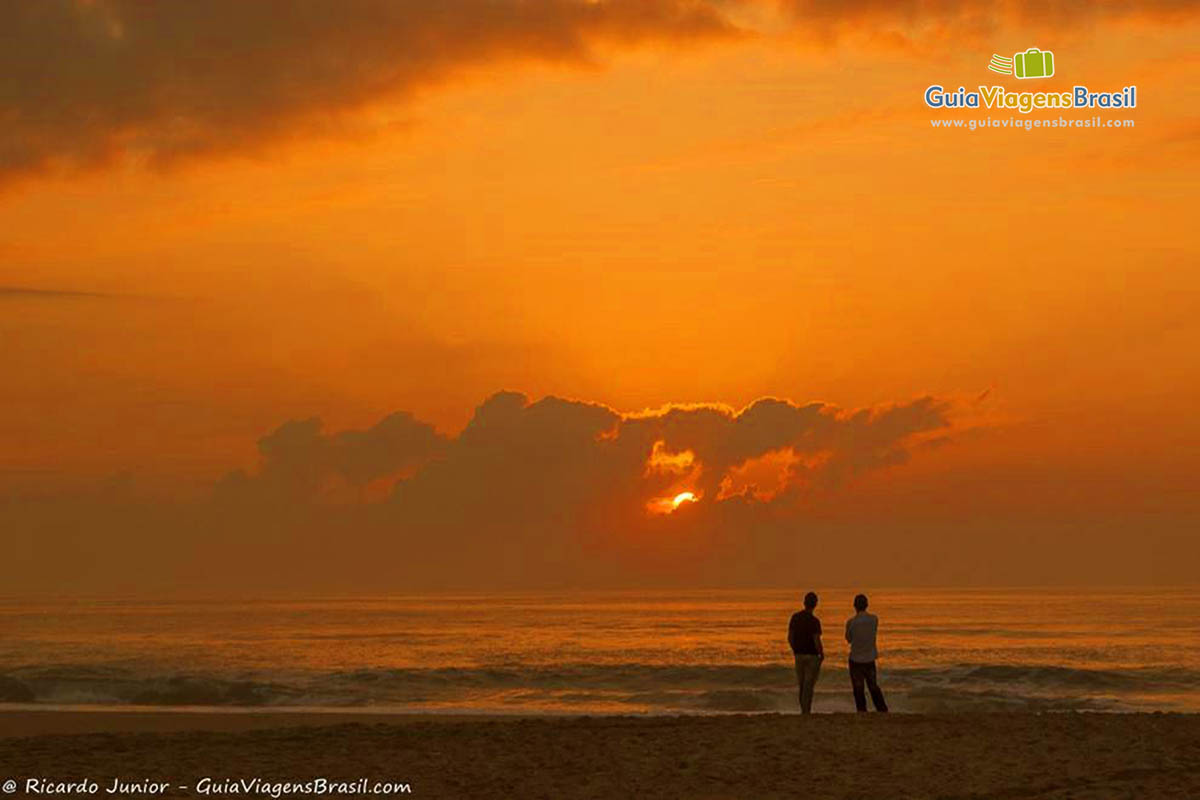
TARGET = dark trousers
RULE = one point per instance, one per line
(864, 673)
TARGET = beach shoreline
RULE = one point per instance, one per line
(1054, 755)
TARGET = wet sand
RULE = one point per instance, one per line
(824, 756)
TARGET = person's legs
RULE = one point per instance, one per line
(810, 687)
(873, 686)
(800, 665)
(807, 667)
(857, 678)
(808, 681)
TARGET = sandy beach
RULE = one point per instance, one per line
(824, 756)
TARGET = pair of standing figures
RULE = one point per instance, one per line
(804, 635)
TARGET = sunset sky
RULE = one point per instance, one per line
(222, 221)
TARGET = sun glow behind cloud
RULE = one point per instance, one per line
(668, 504)
(663, 460)
(683, 497)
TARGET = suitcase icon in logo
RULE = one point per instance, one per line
(1033, 63)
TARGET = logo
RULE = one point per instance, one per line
(1033, 63)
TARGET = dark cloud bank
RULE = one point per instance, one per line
(83, 83)
(547, 493)
(87, 82)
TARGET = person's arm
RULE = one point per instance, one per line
(848, 630)
(792, 634)
(820, 647)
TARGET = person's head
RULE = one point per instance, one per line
(810, 600)
(860, 602)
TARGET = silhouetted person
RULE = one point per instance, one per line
(804, 635)
(861, 630)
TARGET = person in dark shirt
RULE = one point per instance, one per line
(804, 635)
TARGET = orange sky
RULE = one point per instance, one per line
(647, 211)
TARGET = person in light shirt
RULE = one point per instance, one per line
(861, 630)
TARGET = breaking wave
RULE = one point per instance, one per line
(601, 688)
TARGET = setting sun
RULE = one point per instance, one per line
(681, 498)
(665, 505)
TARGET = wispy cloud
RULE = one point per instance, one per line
(36, 292)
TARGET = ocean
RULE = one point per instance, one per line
(603, 652)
